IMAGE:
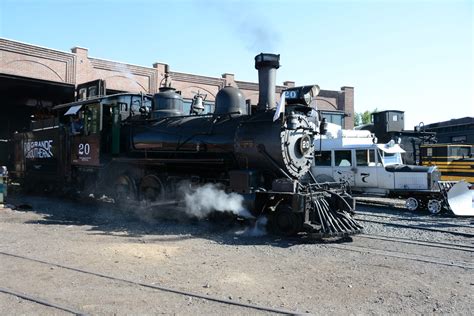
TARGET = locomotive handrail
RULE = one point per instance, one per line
(169, 160)
(90, 100)
(185, 116)
(316, 183)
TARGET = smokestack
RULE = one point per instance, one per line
(266, 64)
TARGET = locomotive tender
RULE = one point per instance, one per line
(138, 147)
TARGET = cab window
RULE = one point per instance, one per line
(123, 106)
(137, 104)
(342, 158)
(459, 151)
(92, 119)
(365, 157)
(323, 159)
(392, 159)
(135, 107)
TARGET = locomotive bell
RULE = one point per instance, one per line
(197, 105)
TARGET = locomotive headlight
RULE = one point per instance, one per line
(308, 98)
(301, 95)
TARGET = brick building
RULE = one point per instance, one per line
(34, 77)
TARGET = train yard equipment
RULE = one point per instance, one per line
(353, 157)
(455, 161)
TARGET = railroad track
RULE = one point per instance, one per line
(399, 254)
(415, 219)
(42, 301)
(405, 255)
(469, 235)
(444, 245)
(410, 256)
(135, 283)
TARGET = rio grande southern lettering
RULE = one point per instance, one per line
(38, 149)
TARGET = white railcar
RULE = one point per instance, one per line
(354, 157)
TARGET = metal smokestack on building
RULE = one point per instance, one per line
(266, 64)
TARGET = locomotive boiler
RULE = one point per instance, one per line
(141, 150)
(231, 137)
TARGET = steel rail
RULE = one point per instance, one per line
(415, 219)
(162, 288)
(419, 228)
(451, 246)
(403, 255)
(41, 301)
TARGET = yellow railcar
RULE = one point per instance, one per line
(455, 161)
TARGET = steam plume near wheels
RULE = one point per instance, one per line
(202, 200)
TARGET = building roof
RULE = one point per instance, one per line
(453, 122)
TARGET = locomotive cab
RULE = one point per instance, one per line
(95, 125)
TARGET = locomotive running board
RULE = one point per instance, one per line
(162, 161)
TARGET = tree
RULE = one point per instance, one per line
(361, 118)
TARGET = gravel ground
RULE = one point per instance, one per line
(217, 260)
(397, 214)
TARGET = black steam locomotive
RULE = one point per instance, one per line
(138, 147)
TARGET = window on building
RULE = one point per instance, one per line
(82, 94)
(336, 118)
(342, 158)
(458, 139)
(323, 159)
(92, 91)
(395, 118)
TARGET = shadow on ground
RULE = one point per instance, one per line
(164, 225)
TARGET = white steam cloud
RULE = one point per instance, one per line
(203, 200)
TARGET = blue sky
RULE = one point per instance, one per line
(415, 56)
